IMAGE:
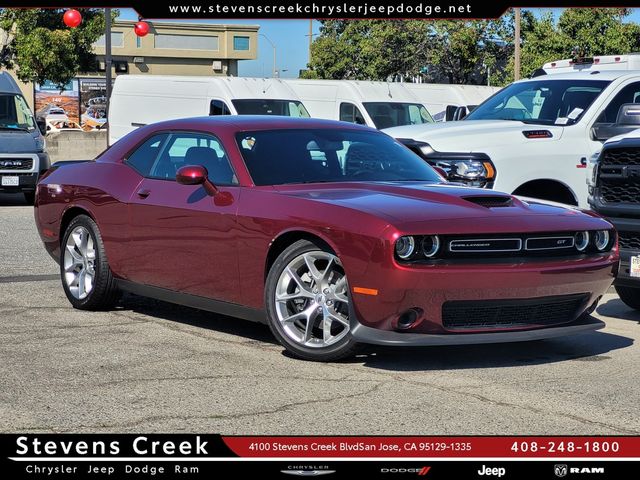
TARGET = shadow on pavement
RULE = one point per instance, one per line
(617, 309)
(197, 318)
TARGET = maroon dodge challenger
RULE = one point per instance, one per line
(334, 234)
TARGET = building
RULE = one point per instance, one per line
(172, 48)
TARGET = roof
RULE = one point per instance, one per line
(608, 75)
(255, 122)
(8, 84)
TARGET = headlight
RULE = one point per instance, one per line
(476, 173)
(601, 240)
(430, 245)
(405, 246)
(581, 241)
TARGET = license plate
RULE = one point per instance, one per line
(12, 181)
(634, 271)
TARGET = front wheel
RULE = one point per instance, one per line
(86, 277)
(630, 296)
(308, 303)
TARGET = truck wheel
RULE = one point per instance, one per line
(29, 197)
(86, 277)
(630, 296)
(307, 299)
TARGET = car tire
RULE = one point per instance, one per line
(630, 296)
(84, 270)
(29, 197)
(296, 295)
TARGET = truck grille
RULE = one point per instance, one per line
(621, 156)
(612, 192)
(629, 240)
(501, 314)
(16, 163)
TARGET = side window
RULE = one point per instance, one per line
(629, 94)
(194, 149)
(350, 113)
(143, 157)
(218, 107)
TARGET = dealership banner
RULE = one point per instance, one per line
(303, 9)
(209, 456)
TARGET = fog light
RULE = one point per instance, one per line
(601, 240)
(408, 318)
(582, 241)
(405, 246)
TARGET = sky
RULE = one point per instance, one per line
(291, 39)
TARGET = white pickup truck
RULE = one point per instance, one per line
(535, 137)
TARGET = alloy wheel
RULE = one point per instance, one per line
(312, 300)
(79, 262)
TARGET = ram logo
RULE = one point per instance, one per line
(560, 470)
(10, 163)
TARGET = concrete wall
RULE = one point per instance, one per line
(75, 145)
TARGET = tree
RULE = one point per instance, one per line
(41, 47)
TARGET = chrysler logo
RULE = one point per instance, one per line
(307, 473)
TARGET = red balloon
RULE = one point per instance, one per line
(72, 18)
(141, 29)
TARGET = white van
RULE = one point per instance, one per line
(600, 63)
(138, 100)
(442, 99)
(376, 104)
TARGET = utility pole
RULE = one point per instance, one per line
(275, 68)
(107, 61)
(310, 37)
(516, 50)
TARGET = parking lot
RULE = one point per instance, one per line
(153, 367)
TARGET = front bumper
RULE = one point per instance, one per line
(375, 319)
(374, 336)
(626, 225)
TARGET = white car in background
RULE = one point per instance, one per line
(534, 137)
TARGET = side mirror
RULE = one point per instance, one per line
(628, 120)
(460, 113)
(450, 112)
(42, 126)
(196, 175)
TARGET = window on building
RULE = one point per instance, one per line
(240, 43)
(138, 41)
(117, 40)
(186, 42)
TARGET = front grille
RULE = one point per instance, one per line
(501, 314)
(612, 192)
(629, 240)
(621, 156)
(16, 163)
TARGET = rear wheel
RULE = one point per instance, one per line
(630, 296)
(86, 276)
(308, 303)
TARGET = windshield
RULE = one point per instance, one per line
(15, 113)
(276, 157)
(287, 108)
(392, 114)
(545, 102)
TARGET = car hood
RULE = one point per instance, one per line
(17, 141)
(473, 135)
(413, 203)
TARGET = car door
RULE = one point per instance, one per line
(183, 239)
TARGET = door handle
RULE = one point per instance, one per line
(143, 193)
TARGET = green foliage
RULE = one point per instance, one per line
(42, 47)
(462, 51)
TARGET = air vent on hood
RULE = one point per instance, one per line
(490, 201)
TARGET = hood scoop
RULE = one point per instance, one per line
(490, 201)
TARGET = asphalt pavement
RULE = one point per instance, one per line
(149, 366)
